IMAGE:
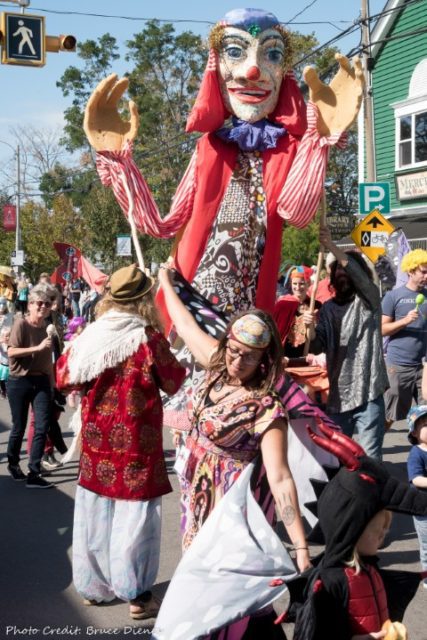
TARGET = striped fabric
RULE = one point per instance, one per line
(114, 167)
(302, 191)
(297, 203)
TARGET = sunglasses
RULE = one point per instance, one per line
(40, 303)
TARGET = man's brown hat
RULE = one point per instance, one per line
(129, 283)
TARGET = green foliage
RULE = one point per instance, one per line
(40, 227)
(75, 183)
(342, 178)
(301, 246)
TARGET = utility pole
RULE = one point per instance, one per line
(367, 100)
(18, 201)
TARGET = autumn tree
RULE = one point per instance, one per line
(40, 227)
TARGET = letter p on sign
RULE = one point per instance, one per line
(374, 195)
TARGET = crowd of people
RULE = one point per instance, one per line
(115, 363)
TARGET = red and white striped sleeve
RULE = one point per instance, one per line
(115, 168)
(301, 194)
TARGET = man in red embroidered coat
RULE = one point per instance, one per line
(120, 362)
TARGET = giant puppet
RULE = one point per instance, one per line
(260, 162)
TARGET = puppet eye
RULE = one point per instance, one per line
(274, 55)
(234, 52)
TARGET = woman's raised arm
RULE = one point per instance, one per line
(200, 343)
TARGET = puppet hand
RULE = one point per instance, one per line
(103, 125)
(339, 102)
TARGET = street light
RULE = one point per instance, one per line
(18, 193)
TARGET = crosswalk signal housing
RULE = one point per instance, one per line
(54, 44)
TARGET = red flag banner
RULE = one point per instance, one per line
(9, 217)
(75, 265)
(70, 267)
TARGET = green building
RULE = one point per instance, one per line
(399, 104)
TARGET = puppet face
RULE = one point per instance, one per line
(251, 72)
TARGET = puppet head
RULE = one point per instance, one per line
(250, 55)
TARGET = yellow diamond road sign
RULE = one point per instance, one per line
(371, 234)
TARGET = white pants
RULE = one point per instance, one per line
(116, 546)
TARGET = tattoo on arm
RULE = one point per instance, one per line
(287, 510)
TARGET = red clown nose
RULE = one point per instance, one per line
(253, 73)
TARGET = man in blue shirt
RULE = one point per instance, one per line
(404, 321)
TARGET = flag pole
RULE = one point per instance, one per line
(133, 229)
(310, 328)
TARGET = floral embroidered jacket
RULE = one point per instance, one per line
(122, 418)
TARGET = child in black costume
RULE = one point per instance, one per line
(347, 597)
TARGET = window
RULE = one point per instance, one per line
(411, 122)
(412, 139)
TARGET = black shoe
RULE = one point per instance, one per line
(16, 472)
(37, 482)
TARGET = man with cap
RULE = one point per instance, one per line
(120, 362)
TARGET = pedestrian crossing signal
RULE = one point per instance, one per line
(23, 39)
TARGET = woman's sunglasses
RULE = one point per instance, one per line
(41, 303)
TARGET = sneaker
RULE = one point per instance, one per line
(49, 462)
(37, 482)
(142, 610)
(425, 583)
(16, 472)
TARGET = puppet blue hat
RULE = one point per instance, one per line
(252, 20)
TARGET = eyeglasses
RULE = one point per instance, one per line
(248, 358)
(41, 303)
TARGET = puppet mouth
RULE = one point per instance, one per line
(251, 96)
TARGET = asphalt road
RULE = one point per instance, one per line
(37, 595)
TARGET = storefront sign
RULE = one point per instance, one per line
(412, 185)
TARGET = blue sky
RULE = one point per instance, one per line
(29, 95)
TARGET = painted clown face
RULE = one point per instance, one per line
(251, 72)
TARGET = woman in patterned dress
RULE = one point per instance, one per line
(120, 362)
(235, 417)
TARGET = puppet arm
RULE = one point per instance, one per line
(300, 196)
(332, 109)
(112, 138)
(115, 167)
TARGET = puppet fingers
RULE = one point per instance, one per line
(313, 81)
(116, 92)
(134, 120)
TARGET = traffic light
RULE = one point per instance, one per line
(54, 44)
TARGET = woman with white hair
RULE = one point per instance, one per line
(30, 383)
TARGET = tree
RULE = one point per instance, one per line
(41, 227)
(301, 246)
(342, 178)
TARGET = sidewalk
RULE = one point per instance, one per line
(38, 598)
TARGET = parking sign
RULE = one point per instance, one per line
(374, 195)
